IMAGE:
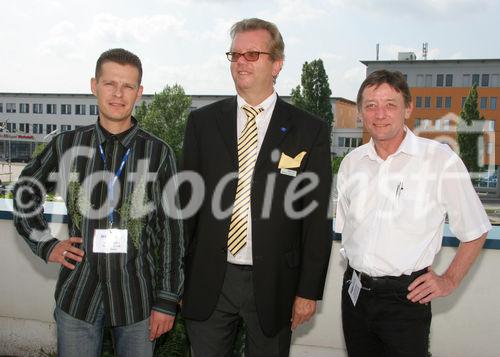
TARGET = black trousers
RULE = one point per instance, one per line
(384, 322)
(215, 336)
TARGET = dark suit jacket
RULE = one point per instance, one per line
(290, 255)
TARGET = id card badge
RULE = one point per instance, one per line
(354, 288)
(110, 241)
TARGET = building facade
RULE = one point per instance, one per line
(28, 119)
(347, 131)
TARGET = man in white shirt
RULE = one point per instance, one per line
(393, 196)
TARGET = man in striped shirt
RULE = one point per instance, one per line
(122, 265)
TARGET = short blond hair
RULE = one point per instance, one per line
(276, 47)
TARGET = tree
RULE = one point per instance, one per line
(38, 149)
(467, 135)
(166, 116)
(314, 93)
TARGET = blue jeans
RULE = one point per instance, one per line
(76, 338)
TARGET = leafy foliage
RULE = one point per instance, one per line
(336, 163)
(468, 141)
(313, 95)
(166, 116)
(38, 149)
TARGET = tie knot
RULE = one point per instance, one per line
(251, 112)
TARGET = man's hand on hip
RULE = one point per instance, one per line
(429, 286)
(303, 309)
(65, 250)
(159, 323)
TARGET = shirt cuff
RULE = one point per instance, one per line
(165, 303)
(46, 248)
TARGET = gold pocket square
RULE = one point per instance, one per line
(287, 162)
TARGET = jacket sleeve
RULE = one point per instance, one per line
(317, 229)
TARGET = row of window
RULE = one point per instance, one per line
(444, 124)
(426, 102)
(345, 142)
(446, 80)
(27, 128)
(80, 109)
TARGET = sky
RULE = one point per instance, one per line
(51, 46)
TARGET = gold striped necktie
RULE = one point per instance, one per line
(247, 155)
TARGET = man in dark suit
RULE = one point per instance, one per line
(258, 247)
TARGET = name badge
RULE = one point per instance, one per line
(110, 241)
(354, 288)
(288, 172)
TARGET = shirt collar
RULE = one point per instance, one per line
(266, 104)
(125, 137)
(408, 146)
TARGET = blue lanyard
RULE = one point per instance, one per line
(111, 183)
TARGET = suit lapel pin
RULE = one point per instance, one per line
(283, 129)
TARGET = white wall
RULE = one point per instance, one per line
(466, 323)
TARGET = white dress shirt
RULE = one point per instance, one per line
(391, 213)
(244, 256)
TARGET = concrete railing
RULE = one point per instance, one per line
(466, 323)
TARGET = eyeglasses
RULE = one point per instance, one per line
(250, 56)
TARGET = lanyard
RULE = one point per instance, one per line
(112, 182)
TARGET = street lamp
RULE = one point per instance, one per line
(5, 130)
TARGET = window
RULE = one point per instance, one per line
(426, 123)
(80, 109)
(65, 127)
(437, 124)
(347, 142)
(24, 108)
(475, 79)
(490, 125)
(94, 109)
(449, 80)
(417, 123)
(406, 77)
(493, 103)
(50, 128)
(51, 109)
(466, 80)
(428, 80)
(37, 129)
(427, 102)
(483, 102)
(439, 80)
(360, 141)
(463, 102)
(418, 103)
(495, 80)
(10, 107)
(420, 80)
(490, 148)
(11, 127)
(446, 124)
(439, 102)
(1, 107)
(65, 108)
(24, 127)
(38, 108)
(485, 80)
(447, 102)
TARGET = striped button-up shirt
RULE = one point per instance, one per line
(149, 276)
